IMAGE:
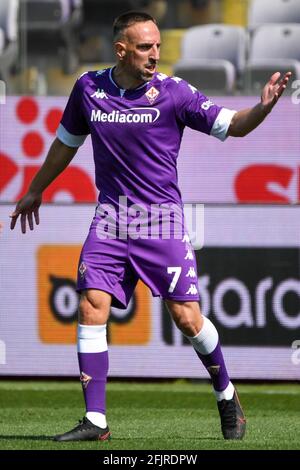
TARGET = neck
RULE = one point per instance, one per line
(124, 80)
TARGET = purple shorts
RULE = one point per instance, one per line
(166, 266)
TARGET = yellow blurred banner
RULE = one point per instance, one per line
(58, 302)
(235, 12)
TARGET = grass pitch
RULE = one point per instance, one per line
(150, 416)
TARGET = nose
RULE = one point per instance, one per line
(155, 52)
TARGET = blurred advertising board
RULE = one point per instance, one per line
(262, 167)
(248, 276)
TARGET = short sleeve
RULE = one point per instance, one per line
(195, 110)
(73, 128)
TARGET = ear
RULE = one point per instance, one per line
(120, 50)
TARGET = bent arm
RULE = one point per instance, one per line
(58, 158)
(247, 120)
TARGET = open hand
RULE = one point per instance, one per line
(27, 207)
(273, 90)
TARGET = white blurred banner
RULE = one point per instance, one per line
(248, 278)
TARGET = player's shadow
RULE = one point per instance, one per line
(50, 438)
(25, 438)
(188, 439)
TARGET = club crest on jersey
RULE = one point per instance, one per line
(85, 379)
(152, 94)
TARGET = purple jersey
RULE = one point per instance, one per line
(136, 134)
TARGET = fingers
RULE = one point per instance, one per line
(23, 223)
(286, 78)
(26, 208)
(276, 97)
(13, 222)
(280, 91)
(288, 75)
(276, 86)
(30, 220)
(14, 218)
(283, 83)
(275, 77)
(24, 216)
(36, 216)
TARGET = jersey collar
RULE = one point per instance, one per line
(123, 90)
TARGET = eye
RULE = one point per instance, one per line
(144, 47)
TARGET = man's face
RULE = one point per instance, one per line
(139, 50)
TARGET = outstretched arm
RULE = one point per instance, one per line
(58, 158)
(246, 120)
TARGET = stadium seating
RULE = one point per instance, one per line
(49, 29)
(2, 41)
(96, 29)
(213, 57)
(8, 37)
(273, 11)
(273, 48)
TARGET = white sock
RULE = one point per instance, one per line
(206, 340)
(205, 343)
(91, 338)
(98, 419)
(226, 394)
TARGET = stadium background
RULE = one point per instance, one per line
(250, 188)
(247, 192)
(249, 265)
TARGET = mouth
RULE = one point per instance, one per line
(150, 68)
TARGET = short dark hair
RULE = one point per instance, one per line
(127, 19)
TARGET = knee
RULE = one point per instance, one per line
(186, 325)
(187, 317)
(94, 308)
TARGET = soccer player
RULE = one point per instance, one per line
(136, 117)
